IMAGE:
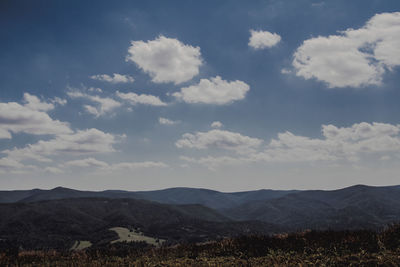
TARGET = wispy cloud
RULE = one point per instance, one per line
(104, 105)
(144, 99)
(165, 121)
(115, 78)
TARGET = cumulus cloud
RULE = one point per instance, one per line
(166, 59)
(34, 103)
(216, 124)
(339, 144)
(61, 140)
(219, 139)
(360, 131)
(144, 99)
(82, 142)
(103, 106)
(214, 91)
(115, 78)
(165, 121)
(90, 141)
(263, 39)
(29, 118)
(353, 58)
(356, 143)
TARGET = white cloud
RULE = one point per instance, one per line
(81, 142)
(115, 78)
(165, 121)
(358, 143)
(4, 133)
(29, 118)
(291, 148)
(339, 144)
(134, 99)
(10, 164)
(216, 124)
(166, 59)
(34, 103)
(360, 131)
(104, 104)
(91, 141)
(94, 163)
(87, 162)
(354, 58)
(263, 39)
(95, 89)
(219, 139)
(214, 91)
(59, 101)
(92, 110)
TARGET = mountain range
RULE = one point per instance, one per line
(60, 216)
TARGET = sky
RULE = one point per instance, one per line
(226, 95)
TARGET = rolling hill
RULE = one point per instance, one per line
(354, 207)
(60, 216)
(59, 223)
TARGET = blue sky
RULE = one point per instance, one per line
(228, 95)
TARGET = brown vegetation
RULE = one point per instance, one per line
(327, 248)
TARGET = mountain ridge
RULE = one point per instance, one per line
(50, 218)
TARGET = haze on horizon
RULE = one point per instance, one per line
(227, 95)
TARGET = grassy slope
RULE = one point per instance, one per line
(126, 235)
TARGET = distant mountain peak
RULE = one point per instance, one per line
(60, 188)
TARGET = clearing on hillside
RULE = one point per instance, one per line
(127, 235)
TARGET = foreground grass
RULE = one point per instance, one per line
(274, 258)
(328, 248)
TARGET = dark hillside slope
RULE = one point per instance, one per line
(58, 223)
(17, 195)
(353, 207)
(349, 208)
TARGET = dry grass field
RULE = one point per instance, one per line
(310, 248)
